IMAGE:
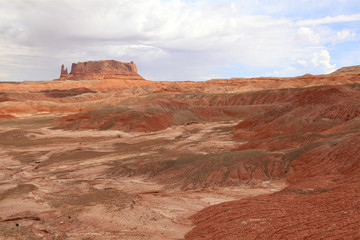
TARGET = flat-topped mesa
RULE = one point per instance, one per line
(99, 70)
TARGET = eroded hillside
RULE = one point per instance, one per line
(119, 157)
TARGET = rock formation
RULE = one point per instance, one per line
(64, 73)
(99, 70)
(347, 70)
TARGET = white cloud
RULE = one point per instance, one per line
(302, 62)
(315, 61)
(344, 35)
(322, 59)
(169, 40)
(307, 35)
(328, 20)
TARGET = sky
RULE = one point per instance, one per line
(180, 39)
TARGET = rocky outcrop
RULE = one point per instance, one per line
(64, 72)
(99, 70)
(347, 70)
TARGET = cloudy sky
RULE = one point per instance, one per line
(180, 39)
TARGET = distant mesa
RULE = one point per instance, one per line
(99, 70)
(347, 70)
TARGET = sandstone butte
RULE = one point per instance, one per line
(241, 132)
(99, 70)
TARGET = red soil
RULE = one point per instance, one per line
(7, 116)
(138, 120)
(192, 171)
(321, 201)
(323, 194)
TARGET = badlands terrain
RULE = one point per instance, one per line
(102, 153)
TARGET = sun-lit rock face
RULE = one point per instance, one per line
(99, 70)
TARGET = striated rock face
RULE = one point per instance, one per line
(99, 70)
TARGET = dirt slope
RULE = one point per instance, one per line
(321, 201)
(316, 130)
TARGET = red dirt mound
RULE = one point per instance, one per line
(313, 110)
(321, 201)
(347, 70)
(209, 170)
(137, 120)
(314, 129)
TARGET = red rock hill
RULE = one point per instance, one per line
(347, 70)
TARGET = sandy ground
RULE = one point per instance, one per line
(57, 184)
